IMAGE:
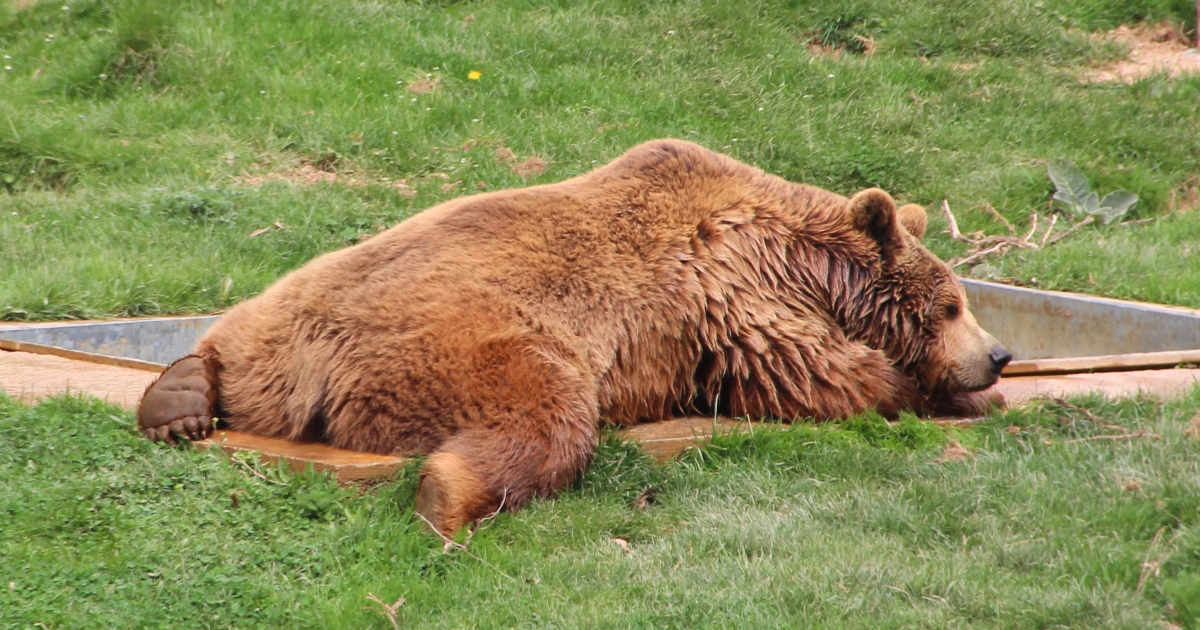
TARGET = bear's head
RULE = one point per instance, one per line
(915, 309)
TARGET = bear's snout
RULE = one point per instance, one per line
(1000, 357)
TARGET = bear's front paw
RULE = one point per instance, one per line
(179, 405)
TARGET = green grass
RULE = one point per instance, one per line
(122, 137)
(788, 526)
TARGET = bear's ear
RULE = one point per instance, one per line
(873, 213)
(912, 218)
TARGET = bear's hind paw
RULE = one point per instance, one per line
(179, 405)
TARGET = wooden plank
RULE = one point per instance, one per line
(1104, 363)
(346, 466)
(79, 355)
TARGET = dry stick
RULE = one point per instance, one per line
(954, 233)
(1071, 230)
(478, 525)
(256, 473)
(978, 255)
(1046, 235)
(1033, 224)
(1148, 567)
(450, 544)
(1123, 436)
(389, 611)
(1090, 416)
(1000, 217)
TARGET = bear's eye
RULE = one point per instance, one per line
(951, 311)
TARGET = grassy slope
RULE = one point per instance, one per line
(855, 526)
(122, 191)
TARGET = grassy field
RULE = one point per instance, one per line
(131, 133)
(177, 157)
(801, 526)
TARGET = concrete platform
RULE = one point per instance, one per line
(29, 377)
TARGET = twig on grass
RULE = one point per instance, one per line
(982, 245)
(448, 545)
(1000, 217)
(1071, 230)
(389, 611)
(1046, 236)
(258, 474)
(1119, 436)
(1150, 568)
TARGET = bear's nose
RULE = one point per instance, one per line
(1000, 357)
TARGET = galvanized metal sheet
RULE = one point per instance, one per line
(1033, 324)
(1037, 324)
(159, 340)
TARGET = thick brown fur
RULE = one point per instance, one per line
(496, 332)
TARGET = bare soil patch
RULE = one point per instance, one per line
(303, 175)
(531, 167)
(1153, 49)
(425, 86)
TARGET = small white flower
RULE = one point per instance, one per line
(474, 120)
(262, 91)
(428, 109)
(8, 67)
(414, 100)
(8, 56)
(831, 76)
(670, 32)
(66, 8)
(103, 76)
(760, 109)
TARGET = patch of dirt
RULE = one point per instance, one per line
(303, 175)
(532, 167)
(862, 45)
(1153, 49)
(312, 173)
(1186, 198)
(954, 452)
(1192, 430)
(424, 86)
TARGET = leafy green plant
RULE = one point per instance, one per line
(1075, 194)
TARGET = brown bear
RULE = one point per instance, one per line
(497, 332)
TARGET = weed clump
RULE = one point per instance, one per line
(199, 205)
(137, 52)
(24, 167)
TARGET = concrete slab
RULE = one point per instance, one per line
(32, 376)
(28, 377)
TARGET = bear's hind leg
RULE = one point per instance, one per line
(532, 442)
(181, 402)
(478, 473)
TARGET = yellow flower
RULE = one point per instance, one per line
(474, 75)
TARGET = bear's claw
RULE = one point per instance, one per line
(180, 403)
